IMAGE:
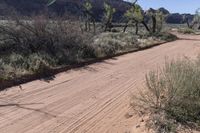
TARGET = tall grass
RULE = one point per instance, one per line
(173, 94)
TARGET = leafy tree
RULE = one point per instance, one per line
(160, 19)
(185, 19)
(134, 15)
(157, 19)
(152, 14)
(195, 21)
(197, 17)
(108, 16)
(89, 17)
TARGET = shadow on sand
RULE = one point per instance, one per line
(24, 106)
(49, 75)
(189, 39)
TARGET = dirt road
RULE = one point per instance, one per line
(92, 99)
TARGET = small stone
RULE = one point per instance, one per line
(127, 131)
(20, 87)
(129, 114)
(137, 126)
(142, 120)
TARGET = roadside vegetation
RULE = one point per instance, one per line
(172, 97)
(193, 26)
(35, 46)
(186, 31)
(39, 44)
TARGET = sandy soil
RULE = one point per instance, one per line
(92, 99)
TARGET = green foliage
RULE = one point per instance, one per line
(197, 16)
(160, 20)
(88, 16)
(164, 36)
(134, 14)
(109, 11)
(87, 5)
(109, 43)
(186, 31)
(195, 22)
(157, 20)
(39, 45)
(174, 93)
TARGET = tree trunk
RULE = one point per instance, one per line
(89, 26)
(125, 27)
(108, 26)
(136, 26)
(94, 26)
(86, 25)
(154, 24)
(146, 26)
(188, 24)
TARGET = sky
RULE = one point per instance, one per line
(174, 6)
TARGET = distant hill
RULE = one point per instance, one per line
(177, 18)
(74, 7)
(60, 7)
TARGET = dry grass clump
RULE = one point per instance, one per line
(40, 44)
(186, 31)
(172, 96)
(110, 43)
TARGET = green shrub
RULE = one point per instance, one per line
(111, 43)
(186, 31)
(33, 46)
(164, 36)
(40, 62)
(15, 65)
(47, 36)
(173, 93)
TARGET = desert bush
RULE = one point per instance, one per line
(40, 44)
(164, 36)
(172, 95)
(110, 43)
(14, 65)
(186, 31)
(42, 34)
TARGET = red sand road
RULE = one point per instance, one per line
(92, 99)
